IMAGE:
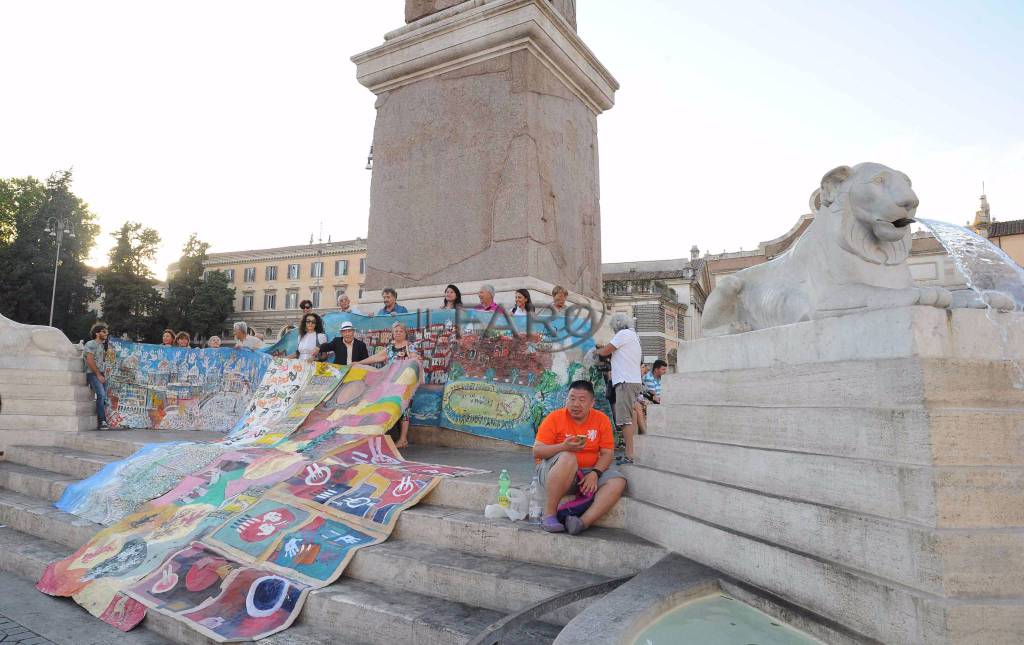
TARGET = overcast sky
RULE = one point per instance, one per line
(243, 121)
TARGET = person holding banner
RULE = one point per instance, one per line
(400, 349)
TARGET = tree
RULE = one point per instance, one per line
(213, 304)
(183, 285)
(28, 253)
(198, 301)
(131, 303)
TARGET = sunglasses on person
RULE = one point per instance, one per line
(307, 307)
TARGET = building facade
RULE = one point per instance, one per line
(664, 297)
(270, 283)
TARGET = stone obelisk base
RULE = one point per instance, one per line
(867, 468)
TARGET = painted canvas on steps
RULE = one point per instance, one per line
(237, 563)
(285, 395)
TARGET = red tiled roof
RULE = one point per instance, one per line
(1013, 227)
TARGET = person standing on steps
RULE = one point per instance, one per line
(626, 356)
(96, 370)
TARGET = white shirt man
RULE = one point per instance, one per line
(345, 305)
(626, 356)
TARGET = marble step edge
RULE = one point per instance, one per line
(611, 552)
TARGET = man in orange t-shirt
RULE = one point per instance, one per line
(577, 437)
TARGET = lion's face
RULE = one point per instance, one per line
(876, 205)
(881, 199)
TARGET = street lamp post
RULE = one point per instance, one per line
(57, 228)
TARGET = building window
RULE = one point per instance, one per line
(247, 302)
(230, 275)
(270, 300)
(314, 295)
(360, 292)
(291, 300)
(250, 274)
(362, 265)
(293, 272)
(316, 270)
(341, 267)
(270, 273)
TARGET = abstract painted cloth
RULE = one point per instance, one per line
(596, 429)
(234, 550)
(484, 372)
(290, 389)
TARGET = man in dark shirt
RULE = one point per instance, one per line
(347, 348)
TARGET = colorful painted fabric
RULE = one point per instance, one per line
(234, 550)
(285, 396)
(177, 388)
(476, 377)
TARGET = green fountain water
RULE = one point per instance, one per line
(720, 620)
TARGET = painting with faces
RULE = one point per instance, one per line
(273, 511)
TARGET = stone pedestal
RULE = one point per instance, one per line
(40, 395)
(867, 468)
(485, 150)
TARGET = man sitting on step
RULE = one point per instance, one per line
(574, 450)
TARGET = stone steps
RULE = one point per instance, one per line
(903, 435)
(33, 482)
(48, 392)
(66, 461)
(886, 611)
(446, 573)
(42, 377)
(26, 556)
(918, 494)
(609, 551)
(32, 422)
(349, 612)
(395, 615)
(899, 383)
(81, 454)
(48, 409)
(909, 554)
(459, 576)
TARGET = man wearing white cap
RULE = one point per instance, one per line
(347, 348)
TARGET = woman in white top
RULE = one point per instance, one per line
(524, 304)
(311, 336)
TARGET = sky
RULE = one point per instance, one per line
(242, 121)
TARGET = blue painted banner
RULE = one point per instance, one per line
(485, 373)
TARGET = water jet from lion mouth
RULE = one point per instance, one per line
(901, 222)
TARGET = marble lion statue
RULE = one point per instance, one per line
(851, 258)
(17, 339)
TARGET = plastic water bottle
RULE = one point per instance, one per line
(504, 481)
(536, 501)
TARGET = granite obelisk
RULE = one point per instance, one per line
(485, 162)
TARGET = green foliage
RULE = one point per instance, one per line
(183, 285)
(213, 304)
(195, 303)
(131, 303)
(549, 382)
(28, 253)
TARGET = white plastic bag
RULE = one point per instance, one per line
(517, 507)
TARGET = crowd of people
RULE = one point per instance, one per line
(574, 447)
